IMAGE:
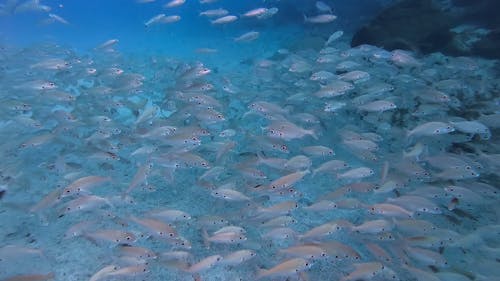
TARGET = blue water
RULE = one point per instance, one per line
(92, 22)
(159, 125)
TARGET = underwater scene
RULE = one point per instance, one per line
(273, 140)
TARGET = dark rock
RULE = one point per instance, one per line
(409, 25)
(423, 26)
(489, 46)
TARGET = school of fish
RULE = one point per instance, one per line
(336, 163)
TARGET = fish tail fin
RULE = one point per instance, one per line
(168, 173)
(312, 133)
(408, 133)
(260, 157)
(108, 202)
(204, 234)
(410, 138)
(305, 17)
(384, 172)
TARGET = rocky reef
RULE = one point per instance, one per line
(453, 27)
